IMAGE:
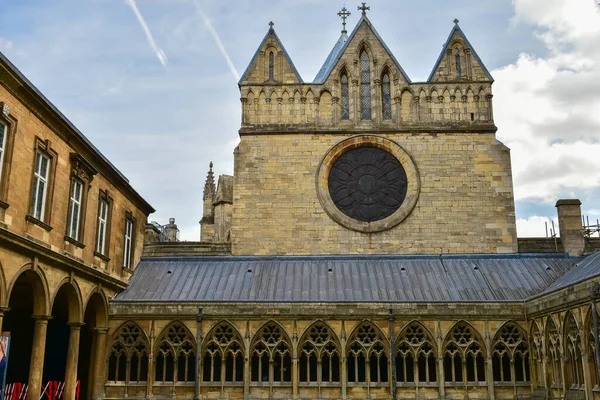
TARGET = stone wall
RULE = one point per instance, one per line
(465, 204)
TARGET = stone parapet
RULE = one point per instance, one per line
(186, 249)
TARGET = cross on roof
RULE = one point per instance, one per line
(456, 21)
(344, 14)
(271, 24)
(364, 8)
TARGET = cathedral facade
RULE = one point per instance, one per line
(365, 248)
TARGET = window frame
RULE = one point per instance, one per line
(127, 261)
(43, 148)
(386, 98)
(366, 113)
(344, 96)
(10, 131)
(103, 198)
(75, 199)
(83, 172)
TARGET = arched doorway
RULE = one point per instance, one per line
(65, 310)
(27, 298)
(90, 365)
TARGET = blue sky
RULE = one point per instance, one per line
(148, 82)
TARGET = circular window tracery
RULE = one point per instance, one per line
(367, 184)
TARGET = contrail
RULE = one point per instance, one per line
(162, 57)
(218, 41)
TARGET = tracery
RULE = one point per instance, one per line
(175, 355)
(319, 355)
(415, 355)
(271, 355)
(367, 360)
(223, 356)
(128, 357)
(463, 355)
(510, 357)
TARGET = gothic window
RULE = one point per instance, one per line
(367, 359)
(537, 353)
(386, 96)
(175, 355)
(510, 357)
(319, 355)
(463, 355)
(553, 353)
(365, 86)
(592, 356)
(457, 60)
(271, 356)
(415, 355)
(271, 65)
(223, 356)
(128, 356)
(345, 96)
(574, 364)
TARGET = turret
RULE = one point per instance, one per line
(208, 213)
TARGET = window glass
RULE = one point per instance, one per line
(40, 185)
(345, 97)
(2, 145)
(102, 220)
(75, 208)
(128, 238)
(386, 96)
(365, 85)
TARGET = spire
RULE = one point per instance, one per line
(209, 185)
(344, 13)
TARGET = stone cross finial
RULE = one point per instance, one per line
(271, 23)
(344, 13)
(455, 21)
(364, 8)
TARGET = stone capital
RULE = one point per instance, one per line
(101, 331)
(41, 318)
(75, 325)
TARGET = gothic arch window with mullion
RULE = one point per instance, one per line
(574, 362)
(223, 357)
(553, 343)
(271, 66)
(175, 355)
(128, 355)
(367, 360)
(271, 357)
(345, 94)
(510, 357)
(463, 355)
(415, 356)
(386, 96)
(365, 86)
(537, 353)
(319, 356)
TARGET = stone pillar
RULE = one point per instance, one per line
(570, 226)
(99, 364)
(36, 367)
(440, 346)
(171, 230)
(72, 358)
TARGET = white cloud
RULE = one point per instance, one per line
(5, 44)
(536, 226)
(548, 108)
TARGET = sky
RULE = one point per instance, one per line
(153, 83)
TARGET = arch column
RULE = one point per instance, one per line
(36, 366)
(72, 358)
(99, 364)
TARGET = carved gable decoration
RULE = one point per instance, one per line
(458, 61)
(81, 168)
(364, 37)
(270, 64)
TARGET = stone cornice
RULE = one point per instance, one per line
(454, 129)
(18, 85)
(12, 240)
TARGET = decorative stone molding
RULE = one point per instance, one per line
(412, 175)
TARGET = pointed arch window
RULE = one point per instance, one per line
(457, 60)
(463, 355)
(537, 353)
(271, 356)
(223, 357)
(415, 355)
(319, 356)
(553, 353)
(271, 66)
(510, 357)
(175, 355)
(128, 357)
(345, 96)
(365, 86)
(367, 360)
(592, 358)
(574, 365)
(386, 96)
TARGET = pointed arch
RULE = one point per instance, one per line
(319, 354)
(271, 354)
(458, 91)
(223, 354)
(464, 354)
(310, 95)
(367, 354)
(536, 339)
(416, 355)
(573, 353)
(591, 345)
(386, 93)
(510, 354)
(175, 354)
(553, 351)
(128, 354)
(344, 94)
(365, 83)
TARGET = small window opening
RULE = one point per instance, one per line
(472, 116)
